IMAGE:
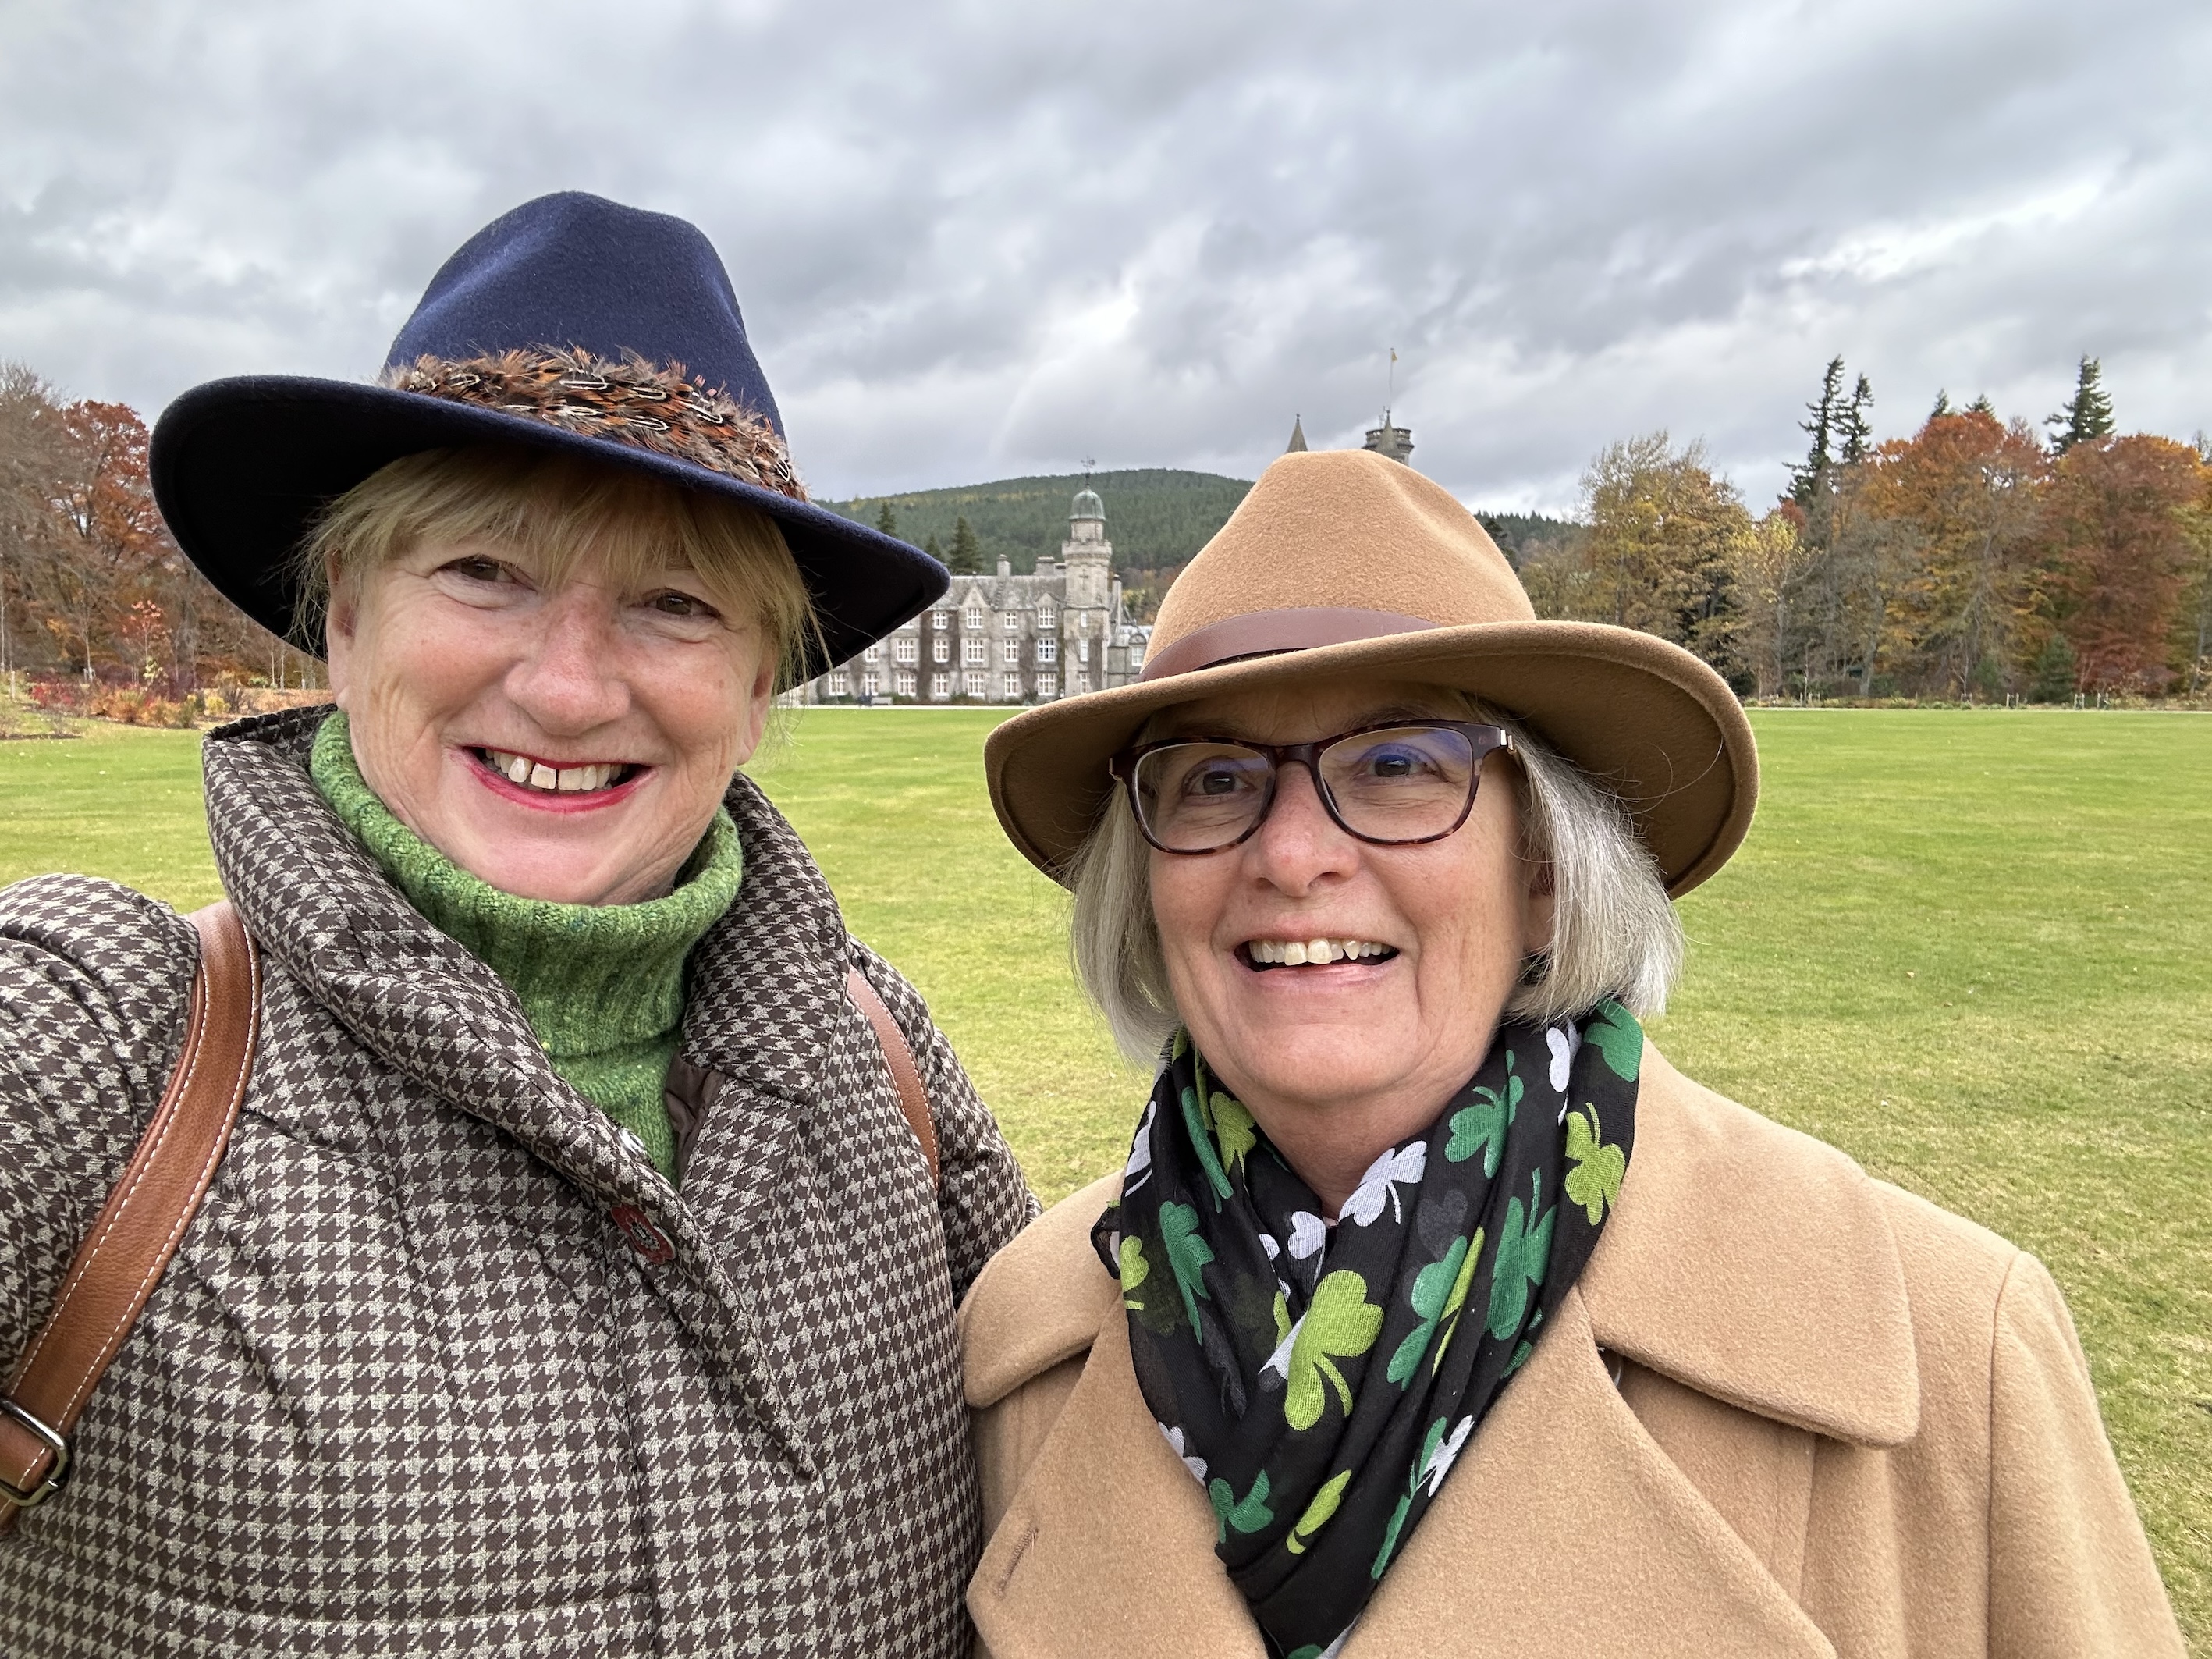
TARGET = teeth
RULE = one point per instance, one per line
(1293, 953)
(566, 780)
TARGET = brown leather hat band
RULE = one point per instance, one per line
(1271, 632)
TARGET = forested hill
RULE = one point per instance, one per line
(1156, 517)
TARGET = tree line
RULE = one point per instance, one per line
(97, 604)
(1976, 559)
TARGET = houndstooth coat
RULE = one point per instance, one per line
(443, 1365)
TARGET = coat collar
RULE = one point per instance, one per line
(1746, 1261)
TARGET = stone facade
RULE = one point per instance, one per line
(1008, 639)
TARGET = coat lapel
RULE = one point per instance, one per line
(1563, 1529)
(1107, 1550)
(1756, 1266)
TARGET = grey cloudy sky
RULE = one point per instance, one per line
(983, 239)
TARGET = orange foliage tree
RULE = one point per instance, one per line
(2117, 529)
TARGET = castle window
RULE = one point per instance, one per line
(975, 653)
(940, 651)
(1010, 653)
(1045, 618)
(979, 686)
(840, 684)
(1082, 651)
(1083, 682)
(873, 653)
(905, 650)
(1048, 685)
(972, 616)
(904, 680)
(1048, 649)
(940, 687)
(940, 617)
(870, 683)
(1010, 621)
(1013, 686)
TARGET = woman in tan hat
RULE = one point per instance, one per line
(1434, 1311)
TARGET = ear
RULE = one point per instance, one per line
(1539, 908)
(760, 697)
(339, 626)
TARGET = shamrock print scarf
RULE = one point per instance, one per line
(1319, 1380)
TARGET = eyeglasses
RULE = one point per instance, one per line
(1391, 786)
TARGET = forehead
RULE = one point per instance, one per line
(1298, 713)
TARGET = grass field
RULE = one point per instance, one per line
(1973, 949)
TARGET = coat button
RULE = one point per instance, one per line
(648, 1240)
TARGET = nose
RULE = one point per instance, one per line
(1299, 846)
(568, 679)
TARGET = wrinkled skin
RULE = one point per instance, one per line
(455, 649)
(1338, 1063)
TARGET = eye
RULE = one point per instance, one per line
(1213, 780)
(674, 602)
(477, 567)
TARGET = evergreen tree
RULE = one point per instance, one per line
(2088, 414)
(930, 548)
(1857, 433)
(967, 558)
(1805, 481)
(1982, 405)
(1942, 406)
(885, 521)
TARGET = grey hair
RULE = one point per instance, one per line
(1614, 933)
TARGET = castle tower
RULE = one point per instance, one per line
(1087, 554)
(1297, 443)
(1394, 441)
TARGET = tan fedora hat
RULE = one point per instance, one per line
(1342, 562)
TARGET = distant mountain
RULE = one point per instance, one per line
(1156, 517)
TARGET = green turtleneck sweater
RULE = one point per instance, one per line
(601, 984)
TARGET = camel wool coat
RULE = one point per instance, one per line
(1788, 1411)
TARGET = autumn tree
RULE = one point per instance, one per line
(1968, 486)
(1772, 568)
(2118, 530)
(1665, 534)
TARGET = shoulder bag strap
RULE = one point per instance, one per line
(138, 1231)
(906, 1076)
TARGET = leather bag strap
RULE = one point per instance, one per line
(138, 1229)
(906, 1076)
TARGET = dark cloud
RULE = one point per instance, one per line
(980, 239)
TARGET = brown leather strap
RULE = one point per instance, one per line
(906, 1076)
(1271, 632)
(124, 1257)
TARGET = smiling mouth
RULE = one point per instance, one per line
(1262, 955)
(586, 778)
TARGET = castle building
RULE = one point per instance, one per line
(1395, 442)
(1009, 639)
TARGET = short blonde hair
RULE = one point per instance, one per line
(1614, 933)
(567, 508)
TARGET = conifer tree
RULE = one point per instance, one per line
(930, 548)
(1856, 432)
(1805, 481)
(1982, 405)
(885, 520)
(2088, 414)
(967, 558)
(1942, 405)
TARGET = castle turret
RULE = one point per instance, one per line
(1086, 553)
(1395, 442)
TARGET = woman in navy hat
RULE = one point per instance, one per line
(578, 1278)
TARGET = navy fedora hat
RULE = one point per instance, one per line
(571, 324)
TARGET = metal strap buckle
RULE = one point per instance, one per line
(55, 1477)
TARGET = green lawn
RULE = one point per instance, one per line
(1973, 949)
